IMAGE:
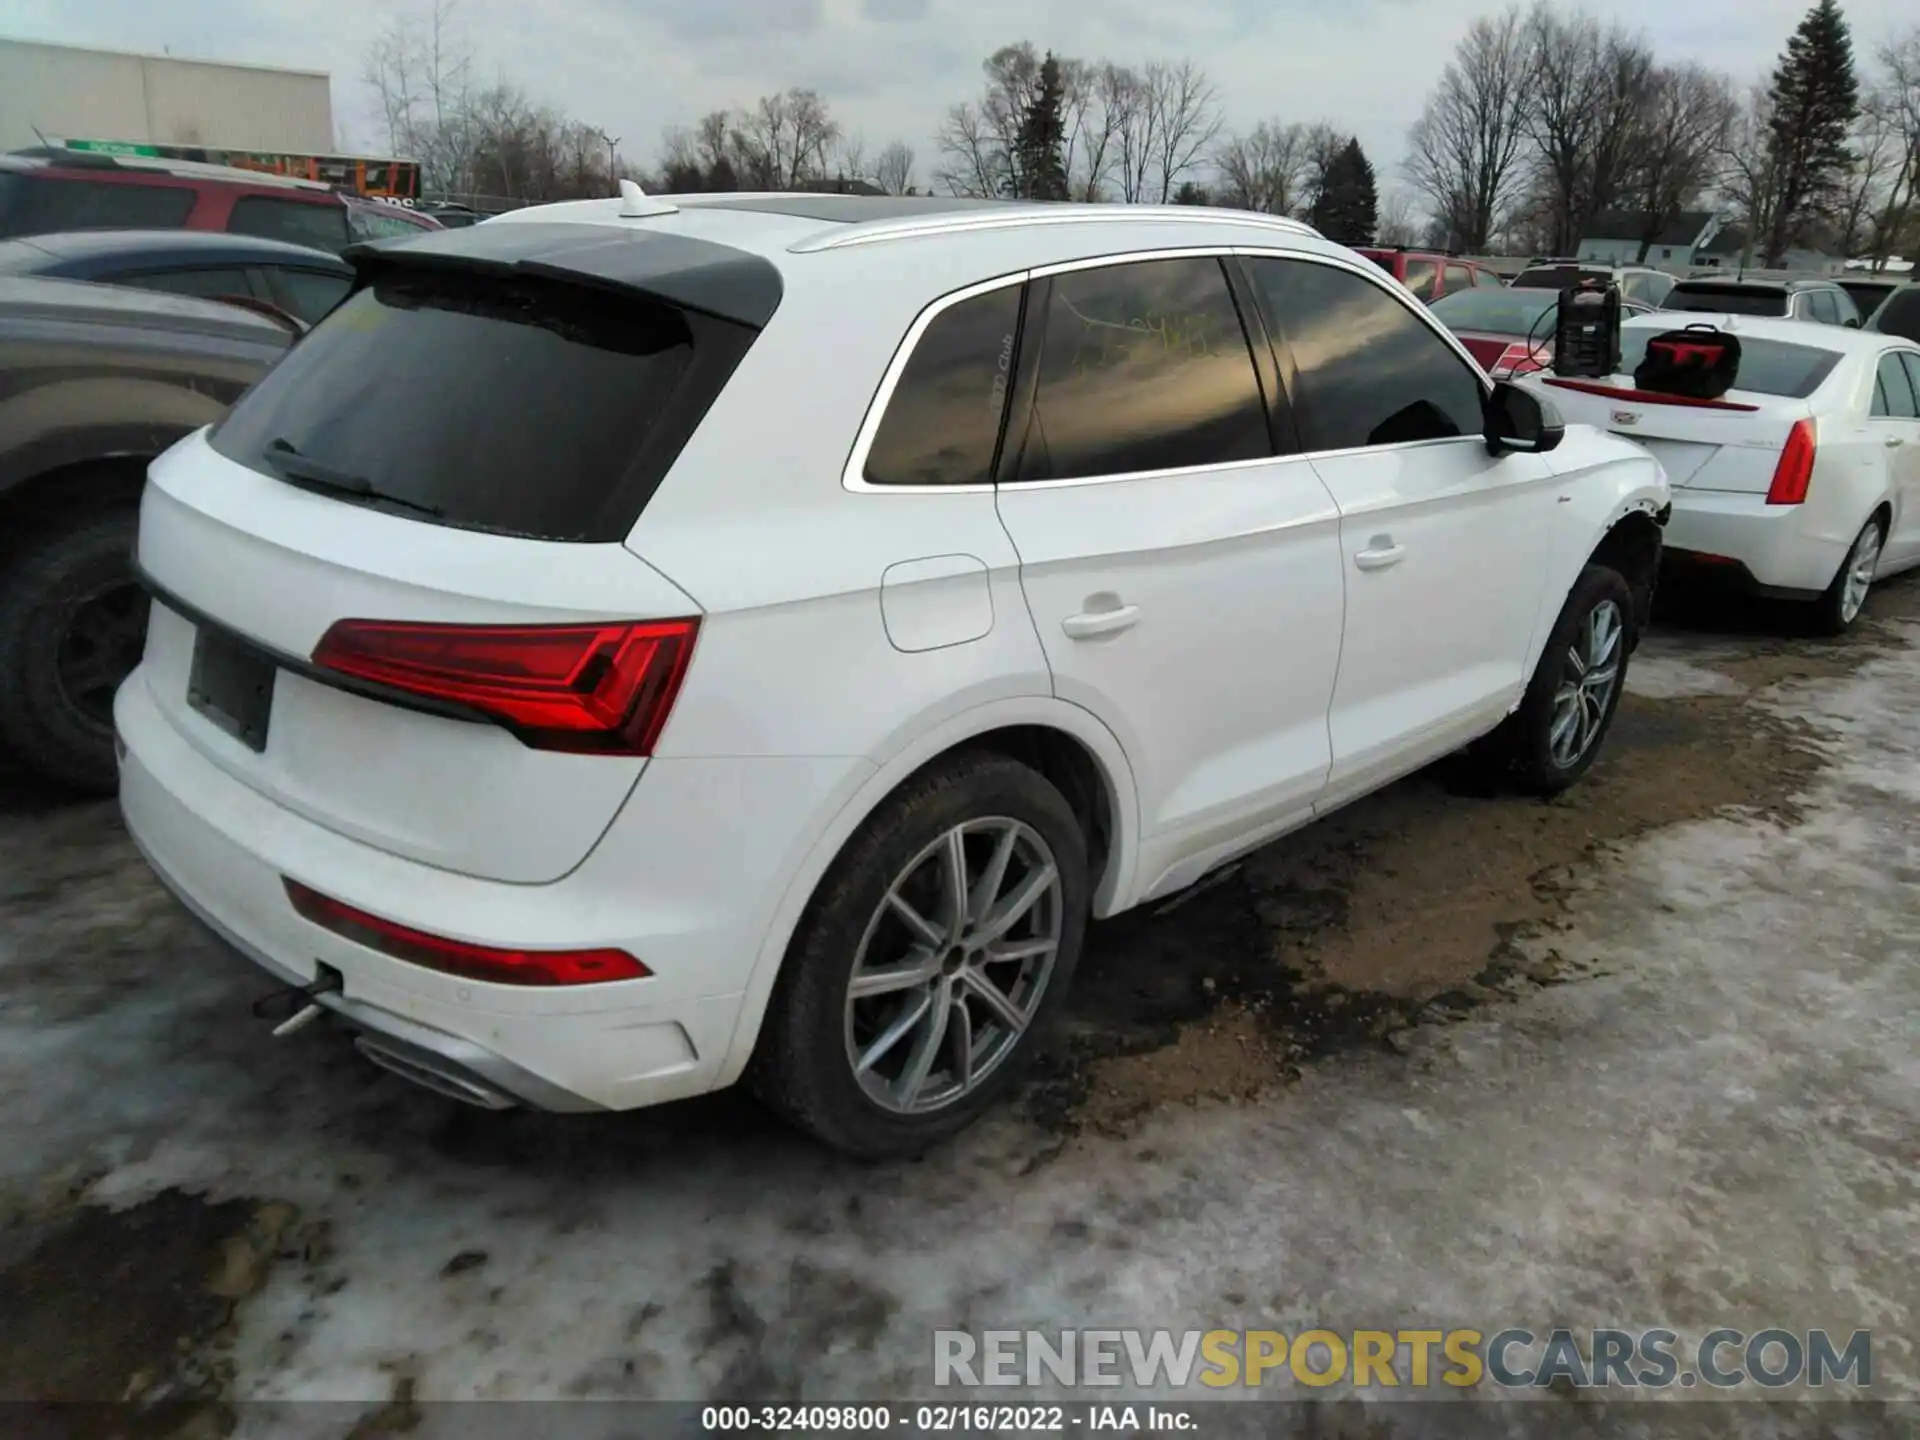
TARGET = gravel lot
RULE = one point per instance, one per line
(1644, 1055)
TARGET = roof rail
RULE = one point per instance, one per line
(949, 222)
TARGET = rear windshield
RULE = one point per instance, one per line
(1503, 311)
(42, 204)
(1767, 367)
(525, 407)
(1714, 299)
(1557, 277)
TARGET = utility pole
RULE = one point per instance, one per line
(611, 141)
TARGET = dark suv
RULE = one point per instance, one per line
(1821, 301)
(1429, 274)
(95, 380)
(1641, 286)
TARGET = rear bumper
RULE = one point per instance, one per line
(1739, 541)
(685, 880)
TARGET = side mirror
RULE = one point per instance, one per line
(1852, 322)
(1521, 422)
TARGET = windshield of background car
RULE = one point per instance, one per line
(35, 204)
(1714, 299)
(513, 406)
(1503, 312)
(1767, 367)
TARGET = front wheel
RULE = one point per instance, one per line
(1835, 611)
(928, 965)
(1555, 735)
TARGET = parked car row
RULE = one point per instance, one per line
(587, 698)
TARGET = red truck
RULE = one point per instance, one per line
(1429, 274)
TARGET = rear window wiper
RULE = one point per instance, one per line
(311, 474)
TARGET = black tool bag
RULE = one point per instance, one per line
(1700, 362)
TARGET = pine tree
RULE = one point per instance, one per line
(1191, 193)
(1815, 100)
(1347, 210)
(1040, 171)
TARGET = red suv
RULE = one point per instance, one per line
(49, 190)
(1428, 273)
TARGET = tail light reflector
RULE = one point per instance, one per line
(458, 957)
(605, 688)
(1795, 470)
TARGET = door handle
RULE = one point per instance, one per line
(1090, 623)
(1380, 553)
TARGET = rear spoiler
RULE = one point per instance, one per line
(1646, 397)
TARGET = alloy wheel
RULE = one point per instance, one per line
(1589, 673)
(953, 965)
(1861, 565)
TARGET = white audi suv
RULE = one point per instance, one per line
(635, 644)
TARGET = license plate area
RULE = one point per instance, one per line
(231, 683)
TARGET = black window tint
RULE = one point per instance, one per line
(299, 222)
(1142, 367)
(307, 294)
(1719, 299)
(1893, 384)
(1899, 314)
(209, 284)
(1420, 277)
(942, 423)
(42, 204)
(525, 407)
(1367, 370)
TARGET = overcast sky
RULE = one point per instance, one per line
(889, 68)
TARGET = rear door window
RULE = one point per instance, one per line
(1912, 363)
(1892, 392)
(320, 224)
(1368, 370)
(524, 407)
(44, 204)
(1821, 306)
(1420, 278)
(1487, 277)
(1142, 367)
(942, 422)
(1459, 277)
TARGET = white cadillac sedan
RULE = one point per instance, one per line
(632, 645)
(1803, 480)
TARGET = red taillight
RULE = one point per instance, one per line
(560, 687)
(1795, 469)
(457, 957)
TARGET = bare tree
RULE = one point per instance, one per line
(1322, 143)
(1878, 156)
(1399, 225)
(848, 160)
(1684, 131)
(1466, 148)
(1588, 89)
(1187, 109)
(1749, 182)
(1093, 104)
(421, 73)
(893, 168)
(783, 139)
(978, 153)
(1898, 100)
(1265, 168)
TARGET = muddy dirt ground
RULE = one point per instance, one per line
(195, 1214)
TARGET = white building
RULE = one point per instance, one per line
(73, 93)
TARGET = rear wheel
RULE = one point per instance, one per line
(1835, 611)
(1555, 735)
(931, 960)
(73, 621)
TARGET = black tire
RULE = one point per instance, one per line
(802, 1066)
(1828, 615)
(1522, 749)
(69, 604)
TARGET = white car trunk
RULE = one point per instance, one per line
(1732, 445)
(241, 552)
